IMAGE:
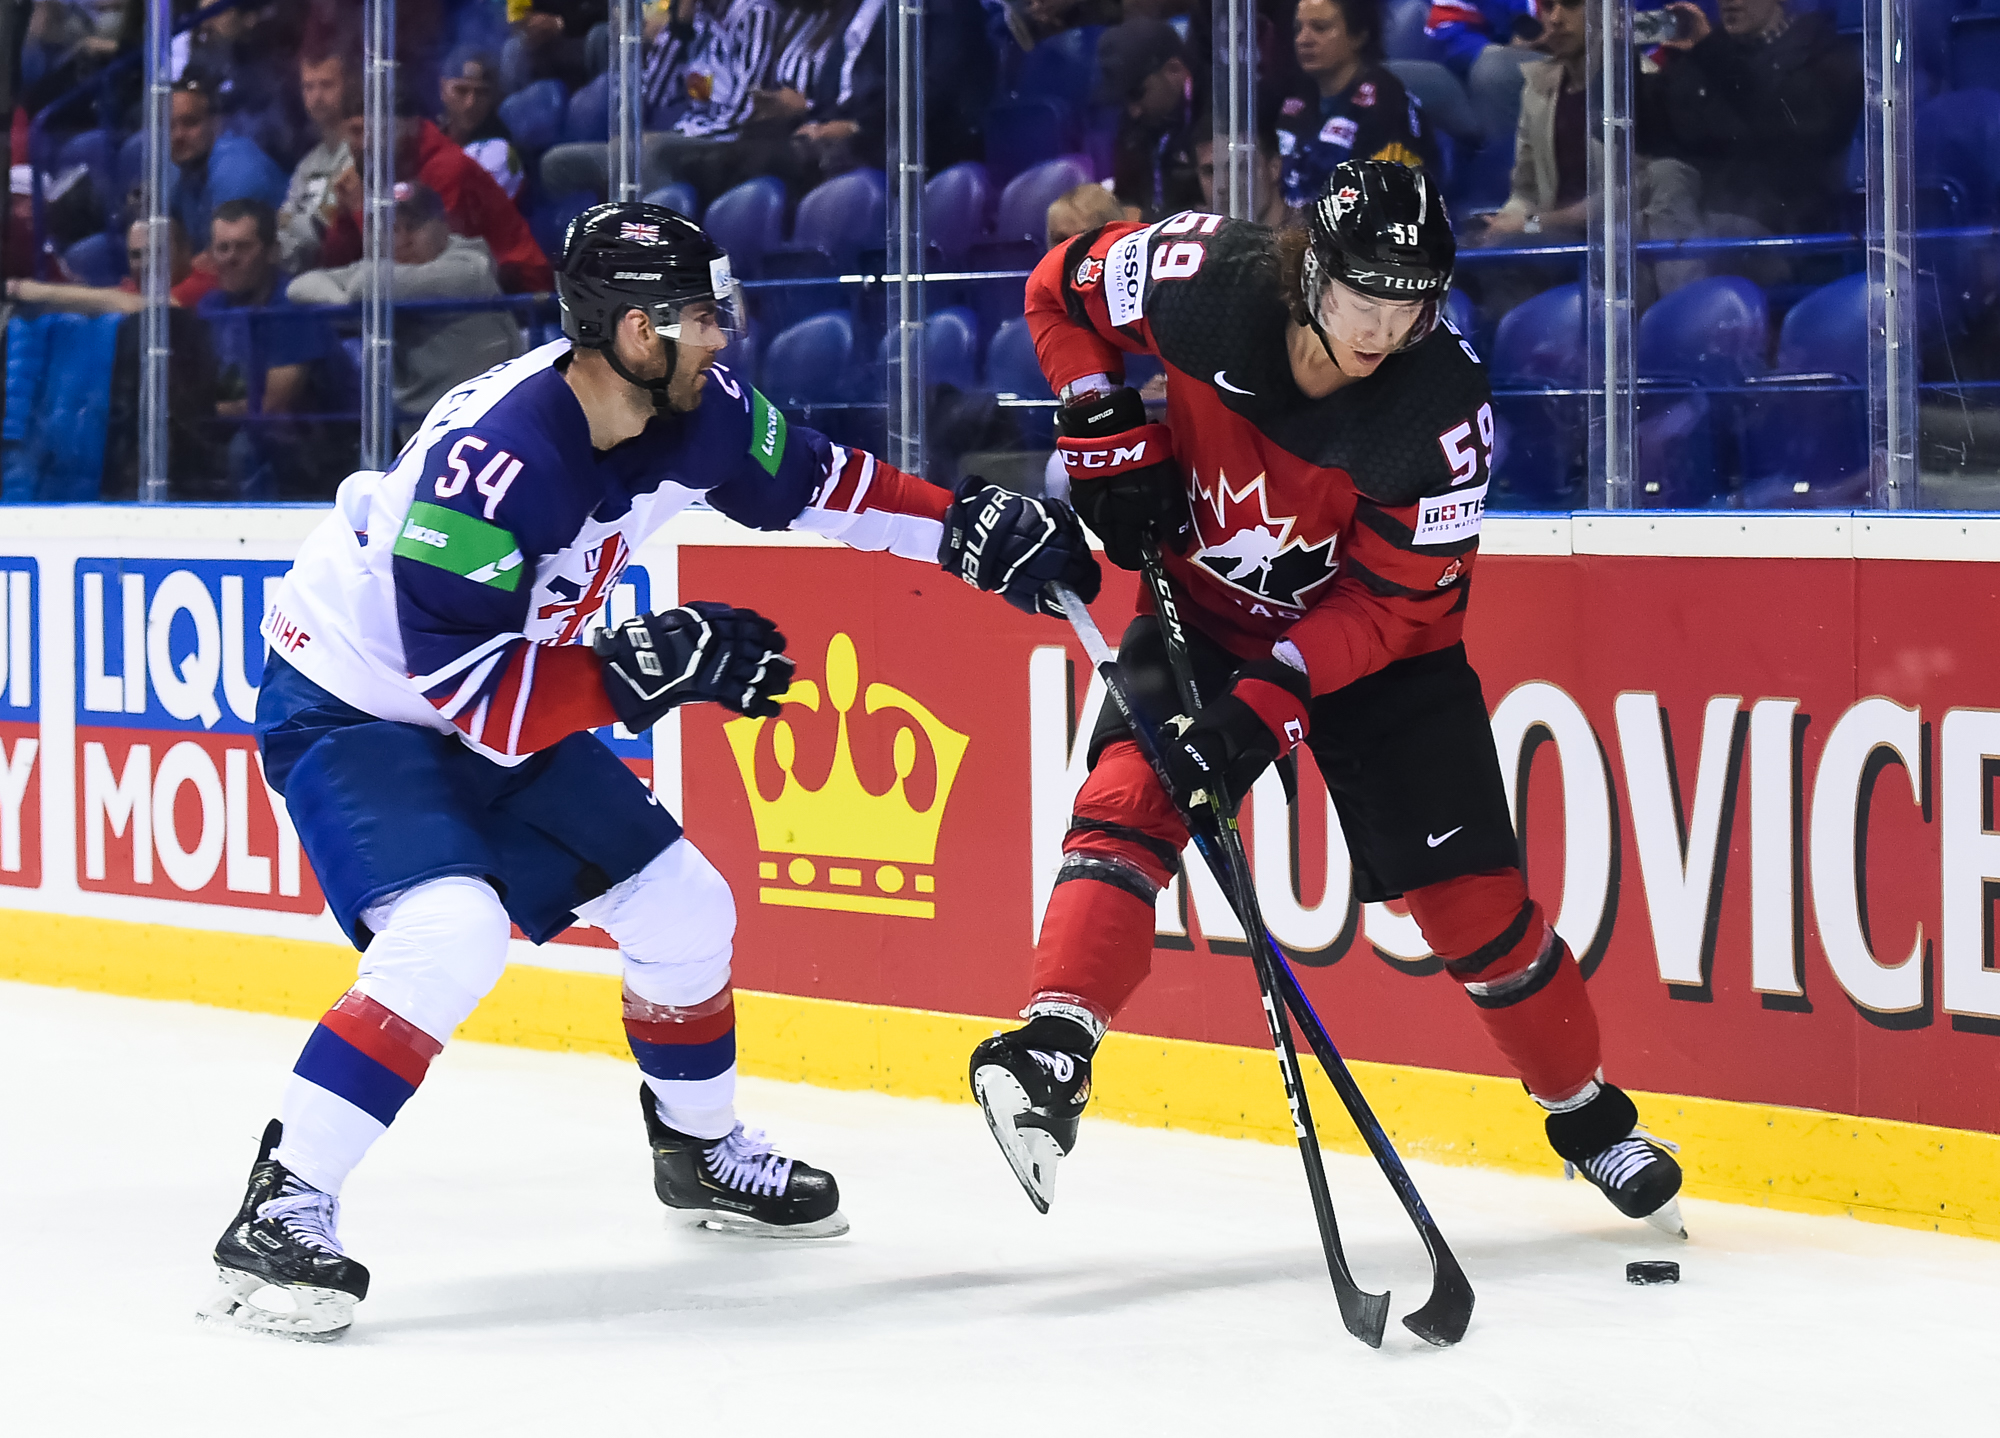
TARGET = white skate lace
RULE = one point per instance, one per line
(747, 1161)
(1618, 1163)
(306, 1215)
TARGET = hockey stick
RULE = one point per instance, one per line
(1365, 1314)
(1445, 1314)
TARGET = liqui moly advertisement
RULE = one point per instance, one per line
(20, 723)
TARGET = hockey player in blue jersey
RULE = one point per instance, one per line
(427, 707)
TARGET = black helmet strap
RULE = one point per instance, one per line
(657, 387)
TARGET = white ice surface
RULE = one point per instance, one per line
(524, 1281)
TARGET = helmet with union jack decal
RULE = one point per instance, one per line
(1380, 228)
(629, 255)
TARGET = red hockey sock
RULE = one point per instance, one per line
(1516, 969)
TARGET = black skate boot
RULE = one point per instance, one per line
(1602, 1138)
(739, 1183)
(280, 1263)
(1033, 1084)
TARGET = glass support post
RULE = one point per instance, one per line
(1888, 141)
(1610, 315)
(154, 355)
(905, 247)
(1235, 107)
(378, 208)
(627, 101)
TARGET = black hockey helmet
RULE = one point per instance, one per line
(1380, 229)
(631, 255)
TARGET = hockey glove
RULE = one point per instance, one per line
(1123, 478)
(1011, 545)
(1261, 718)
(699, 652)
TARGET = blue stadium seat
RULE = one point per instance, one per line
(1025, 132)
(1403, 35)
(679, 197)
(841, 217)
(951, 348)
(811, 363)
(1539, 454)
(958, 204)
(533, 115)
(747, 221)
(1959, 141)
(131, 166)
(550, 218)
(1024, 204)
(1012, 369)
(1809, 444)
(96, 151)
(97, 259)
(588, 118)
(1712, 332)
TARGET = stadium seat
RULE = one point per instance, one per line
(841, 217)
(549, 219)
(1959, 141)
(811, 363)
(1443, 97)
(1809, 445)
(96, 151)
(131, 165)
(589, 114)
(951, 348)
(1012, 371)
(1539, 454)
(1712, 332)
(1020, 133)
(1403, 35)
(747, 221)
(958, 204)
(97, 259)
(678, 197)
(533, 115)
(1024, 204)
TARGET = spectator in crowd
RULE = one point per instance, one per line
(1354, 107)
(434, 351)
(1766, 110)
(65, 45)
(1267, 179)
(1143, 68)
(213, 166)
(469, 93)
(473, 203)
(265, 361)
(309, 202)
(244, 57)
(188, 285)
(673, 35)
(1548, 196)
(1032, 21)
(1075, 212)
(555, 39)
(1486, 43)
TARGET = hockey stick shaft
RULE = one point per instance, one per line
(1364, 1314)
(1446, 1313)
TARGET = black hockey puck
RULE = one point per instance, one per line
(1653, 1271)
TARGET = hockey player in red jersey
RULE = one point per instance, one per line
(1317, 488)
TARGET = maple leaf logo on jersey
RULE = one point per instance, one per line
(1249, 549)
(1089, 272)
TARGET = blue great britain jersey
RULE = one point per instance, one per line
(454, 590)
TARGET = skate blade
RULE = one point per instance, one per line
(1667, 1218)
(316, 1315)
(1031, 1152)
(717, 1220)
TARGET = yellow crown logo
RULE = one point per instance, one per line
(841, 819)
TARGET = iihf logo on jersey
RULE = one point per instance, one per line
(840, 819)
(1254, 552)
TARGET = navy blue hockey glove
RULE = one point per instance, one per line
(1123, 478)
(700, 652)
(1011, 545)
(1261, 719)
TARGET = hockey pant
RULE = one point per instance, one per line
(439, 948)
(1125, 842)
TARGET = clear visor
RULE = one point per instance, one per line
(709, 322)
(1363, 323)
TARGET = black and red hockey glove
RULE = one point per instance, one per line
(1123, 478)
(702, 651)
(1262, 717)
(1013, 545)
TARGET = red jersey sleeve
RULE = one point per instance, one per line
(1085, 304)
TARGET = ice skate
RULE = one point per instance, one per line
(1033, 1084)
(280, 1264)
(739, 1183)
(1603, 1141)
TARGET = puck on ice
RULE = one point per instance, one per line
(1653, 1271)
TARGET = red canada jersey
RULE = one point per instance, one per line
(1347, 524)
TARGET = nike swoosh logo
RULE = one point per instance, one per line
(1435, 839)
(1221, 378)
